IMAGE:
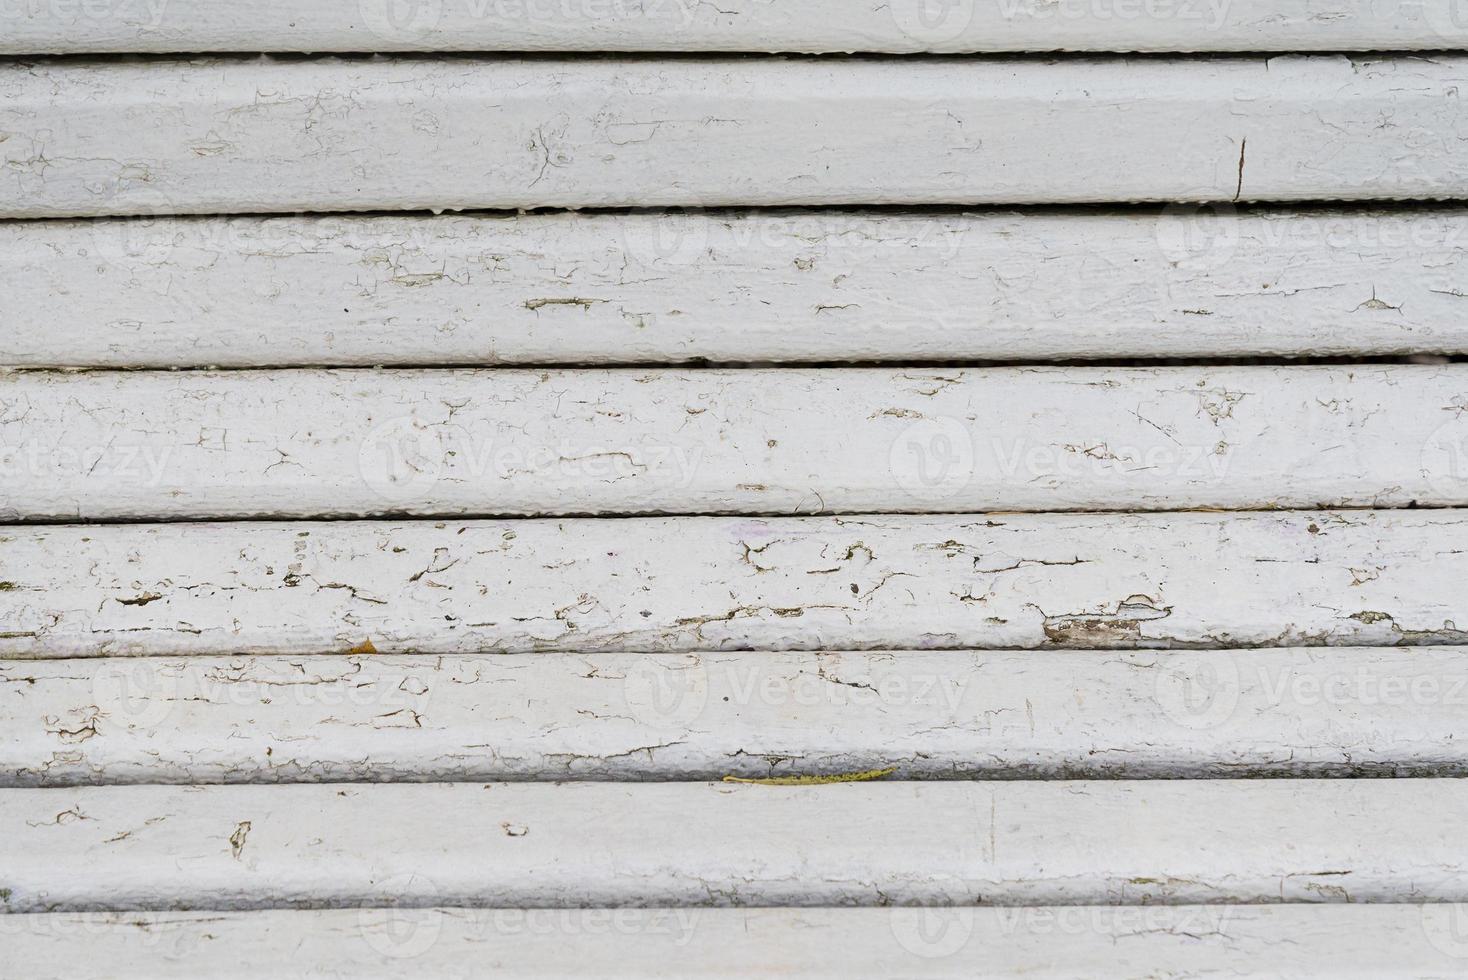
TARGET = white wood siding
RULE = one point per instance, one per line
(900, 26)
(258, 135)
(538, 845)
(664, 488)
(688, 584)
(645, 716)
(735, 286)
(304, 444)
(1407, 942)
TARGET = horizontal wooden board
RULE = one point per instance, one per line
(686, 584)
(816, 26)
(539, 845)
(1128, 943)
(257, 135)
(575, 288)
(354, 443)
(922, 714)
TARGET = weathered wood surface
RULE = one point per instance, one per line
(815, 26)
(540, 845)
(568, 288)
(1408, 942)
(257, 135)
(643, 716)
(354, 443)
(686, 584)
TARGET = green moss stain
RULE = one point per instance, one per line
(840, 777)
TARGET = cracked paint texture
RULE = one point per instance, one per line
(824, 286)
(687, 584)
(238, 136)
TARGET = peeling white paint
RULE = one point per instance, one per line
(1406, 942)
(87, 138)
(760, 26)
(644, 716)
(611, 761)
(308, 444)
(567, 288)
(537, 845)
(688, 584)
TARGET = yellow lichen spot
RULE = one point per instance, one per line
(364, 647)
(840, 777)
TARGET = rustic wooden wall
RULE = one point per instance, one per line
(817, 488)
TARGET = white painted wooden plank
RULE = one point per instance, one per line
(924, 714)
(685, 584)
(302, 444)
(575, 288)
(94, 138)
(1404, 941)
(532, 845)
(816, 26)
